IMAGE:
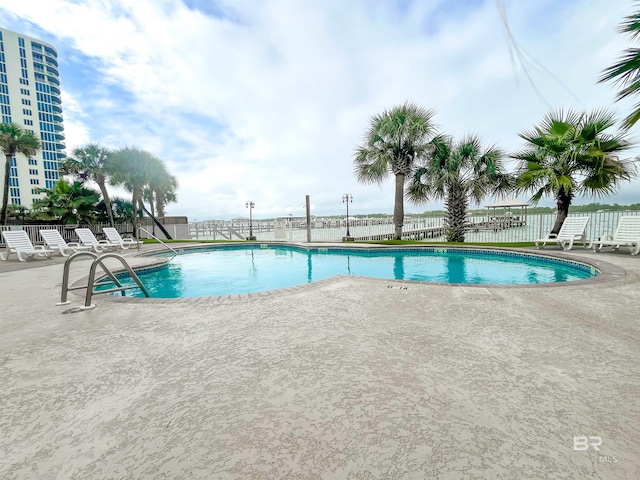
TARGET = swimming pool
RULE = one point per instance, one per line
(225, 270)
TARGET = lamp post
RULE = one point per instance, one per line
(250, 205)
(347, 198)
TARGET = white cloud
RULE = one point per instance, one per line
(269, 103)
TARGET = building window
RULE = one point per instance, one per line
(35, 181)
(26, 112)
(35, 191)
(24, 91)
(28, 122)
(26, 101)
(33, 161)
(33, 171)
(24, 81)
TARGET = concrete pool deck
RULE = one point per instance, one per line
(346, 378)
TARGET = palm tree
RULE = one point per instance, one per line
(571, 154)
(456, 172)
(626, 71)
(121, 208)
(165, 192)
(14, 139)
(134, 169)
(70, 203)
(161, 187)
(394, 143)
(91, 163)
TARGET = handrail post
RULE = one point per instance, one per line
(92, 275)
(65, 275)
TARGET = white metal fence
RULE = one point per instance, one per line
(499, 229)
(481, 229)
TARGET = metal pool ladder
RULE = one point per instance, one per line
(91, 283)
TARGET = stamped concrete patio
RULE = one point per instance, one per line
(347, 378)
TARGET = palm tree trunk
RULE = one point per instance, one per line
(456, 204)
(155, 220)
(107, 202)
(398, 210)
(5, 191)
(563, 201)
(159, 204)
(134, 207)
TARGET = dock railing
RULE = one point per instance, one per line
(485, 229)
(480, 228)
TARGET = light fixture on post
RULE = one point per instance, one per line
(250, 205)
(347, 198)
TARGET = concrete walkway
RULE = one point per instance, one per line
(347, 378)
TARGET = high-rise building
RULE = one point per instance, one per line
(30, 97)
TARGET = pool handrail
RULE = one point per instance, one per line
(153, 236)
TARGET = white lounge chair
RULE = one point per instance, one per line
(55, 242)
(18, 242)
(626, 235)
(574, 229)
(114, 237)
(87, 237)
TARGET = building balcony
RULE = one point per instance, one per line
(58, 127)
(52, 71)
(60, 146)
(55, 100)
(57, 118)
(53, 80)
(51, 51)
(51, 61)
(56, 108)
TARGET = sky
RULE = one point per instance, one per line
(266, 100)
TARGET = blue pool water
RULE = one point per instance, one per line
(246, 269)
